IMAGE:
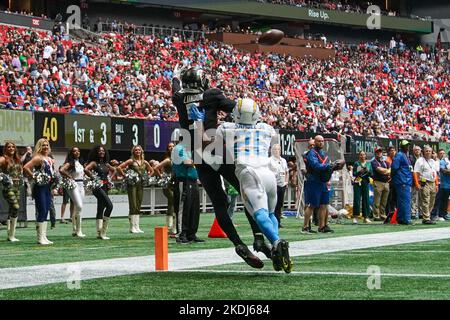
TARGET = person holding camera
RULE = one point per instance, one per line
(362, 172)
(317, 185)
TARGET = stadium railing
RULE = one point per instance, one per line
(149, 30)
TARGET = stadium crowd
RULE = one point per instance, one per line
(23, 13)
(344, 6)
(368, 89)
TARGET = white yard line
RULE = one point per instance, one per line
(84, 270)
(321, 273)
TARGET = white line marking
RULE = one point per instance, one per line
(313, 273)
(56, 273)
(65, 249)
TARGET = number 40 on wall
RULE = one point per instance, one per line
(49, 126)
(50, 129)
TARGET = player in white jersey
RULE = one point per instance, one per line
(251, 142)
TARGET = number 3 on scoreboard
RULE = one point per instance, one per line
(50, 131)
(104, 138)
(135, 130)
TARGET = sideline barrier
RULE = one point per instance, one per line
(120, 134)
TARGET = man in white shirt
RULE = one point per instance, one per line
(425, 170)
(48, 51)
(392, 44)
(279, 166)
(341, 99)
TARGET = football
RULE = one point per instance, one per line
(339, 165)
(271, 37)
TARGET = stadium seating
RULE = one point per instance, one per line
(367, 89)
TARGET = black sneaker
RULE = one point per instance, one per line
(326, 229)
(197, 240)
(308, 230)
(252, 260)
(260, 246)
(446, 217)
(277, 257)
(184, 240)
(281, 259)
(428, 222)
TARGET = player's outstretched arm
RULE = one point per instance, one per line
(223, 103)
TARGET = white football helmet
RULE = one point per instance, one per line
(246, 111)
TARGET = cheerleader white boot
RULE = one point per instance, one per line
(138, 229)
(41, 237)
(12, 230)
(169, 222)
(74, 225)
(133, 224)
(99, 224)
(8, 227)
(45, 233)
(104, 229)
(79, 233)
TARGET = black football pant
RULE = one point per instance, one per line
(280, 203)
(188, 213)
(212, 184)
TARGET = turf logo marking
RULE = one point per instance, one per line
(73, 277)
(374, 279)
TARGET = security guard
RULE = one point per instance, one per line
(402, 180)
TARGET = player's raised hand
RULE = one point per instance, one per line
(177, 71)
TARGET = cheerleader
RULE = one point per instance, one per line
(135, 190)
(43, 165)
(98, 163)
(11, 166)
(74, 170)
(164, 170)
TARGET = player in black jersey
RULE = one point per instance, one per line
(197, 107)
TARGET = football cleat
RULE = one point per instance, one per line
(280, 257)
(260, 246)
(252, 260)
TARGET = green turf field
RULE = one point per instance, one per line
(340, 275)
(123, 244)
(239, 282)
